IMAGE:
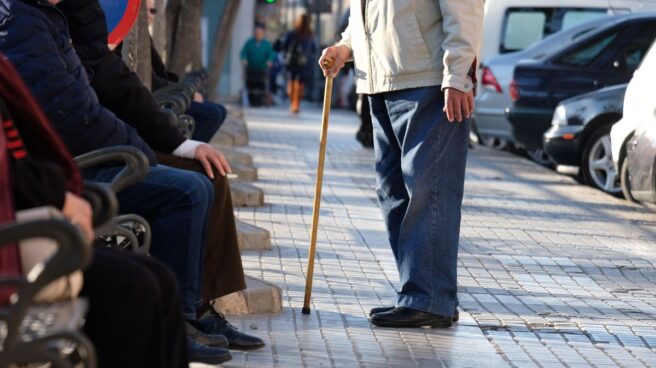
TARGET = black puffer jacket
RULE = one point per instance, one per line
(34, 37)
(118, 88)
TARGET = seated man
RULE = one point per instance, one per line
(129, 311)
(208, 115)
(121, 91)
(34, 36)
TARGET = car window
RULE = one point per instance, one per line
(586, 54)
(523, 29)
(574, 17)
(525, 26)
(637, 47)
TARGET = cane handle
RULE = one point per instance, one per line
(328, 62)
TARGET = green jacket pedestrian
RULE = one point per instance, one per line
(257, 57)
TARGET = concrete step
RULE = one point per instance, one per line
(234, 155)
(244, 172)
(223, 138)
(259, 297)
(234, 111)
(252, 237)
(245, 194)
(237, 130)
(236, 124)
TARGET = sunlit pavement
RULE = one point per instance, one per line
(551, 273)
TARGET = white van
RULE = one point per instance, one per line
(512, 25)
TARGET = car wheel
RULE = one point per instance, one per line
(624, 181)
(597, 163)
(539, 156)
(493, 142)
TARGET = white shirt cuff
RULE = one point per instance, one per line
(187, 149)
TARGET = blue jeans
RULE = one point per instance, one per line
(208, 117)
(176, 204)
(420, 169)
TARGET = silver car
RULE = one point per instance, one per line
(497, 73)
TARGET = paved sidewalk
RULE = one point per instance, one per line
(552, 273)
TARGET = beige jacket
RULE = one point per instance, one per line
(414, 43)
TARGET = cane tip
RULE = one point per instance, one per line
(305, 310)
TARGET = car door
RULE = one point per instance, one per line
(625, 59)
(576, 70)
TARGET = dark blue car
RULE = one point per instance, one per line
(607, 56)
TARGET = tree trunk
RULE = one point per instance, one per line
(160, 40)
(136, 48)
(173, 8)
(185, 49)
(221, 45)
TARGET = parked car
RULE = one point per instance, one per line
(494, 94)
(639, 107)
(639, 176)
(579, 139)
(604, 57)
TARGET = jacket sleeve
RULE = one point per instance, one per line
(244, 50)
(65, 96)
(121, 91)
(463, 26)
(346, 39)
(160, 76)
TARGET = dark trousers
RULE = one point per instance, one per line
(222, 269)
(208, 117)
(256, 81)
(135, 314)
(176, 205)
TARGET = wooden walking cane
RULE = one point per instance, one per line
(327, 95)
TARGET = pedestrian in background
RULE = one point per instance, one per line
(299, 48)
(257, 57)
(417, 62)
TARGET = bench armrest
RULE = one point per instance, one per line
(71, 255)
(136, 164)
(102, 200)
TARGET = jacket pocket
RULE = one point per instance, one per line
(401, 49)
(414, 36)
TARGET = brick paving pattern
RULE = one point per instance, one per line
(552, 273)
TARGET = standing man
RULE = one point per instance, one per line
(257, 57)
(417, 61)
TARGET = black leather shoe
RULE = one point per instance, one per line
(456, 314)
(214, 323)
(218, 341)
(406, 317)
(200, 353)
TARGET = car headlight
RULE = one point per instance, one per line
(560, 116)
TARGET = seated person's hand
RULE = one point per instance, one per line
(339, 55)
(78, 211)
(198, 97)
(208, 157)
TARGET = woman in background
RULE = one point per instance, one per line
(299, 48)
